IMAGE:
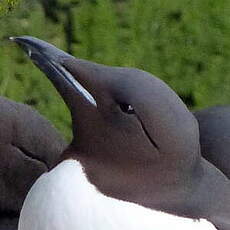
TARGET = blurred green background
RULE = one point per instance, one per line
(184, 42)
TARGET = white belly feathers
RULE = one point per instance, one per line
(64, 199)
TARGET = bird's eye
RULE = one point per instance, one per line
(126, 108)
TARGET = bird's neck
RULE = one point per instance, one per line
(141, 183)
(201, 191)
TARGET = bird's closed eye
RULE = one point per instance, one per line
(126, 108)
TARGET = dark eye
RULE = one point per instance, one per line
(126, 108)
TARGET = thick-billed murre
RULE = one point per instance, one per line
(135, 153)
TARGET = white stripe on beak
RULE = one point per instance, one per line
(76, 84)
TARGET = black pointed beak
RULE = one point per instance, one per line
(50, 60)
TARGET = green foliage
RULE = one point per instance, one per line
(19, 79)
(184, 42)
(97, 31)
(6, 6)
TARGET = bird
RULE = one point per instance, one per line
(134, 161)
(29, 146)
(214, 125)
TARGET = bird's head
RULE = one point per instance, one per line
(122, 117)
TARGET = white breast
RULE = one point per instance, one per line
(63, 199)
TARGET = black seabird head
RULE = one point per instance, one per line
(117, 105)
(125, 122)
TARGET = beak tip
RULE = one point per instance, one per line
(17, 39)
(21, 39)
(12, 39)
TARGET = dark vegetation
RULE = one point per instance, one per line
(184, 42)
